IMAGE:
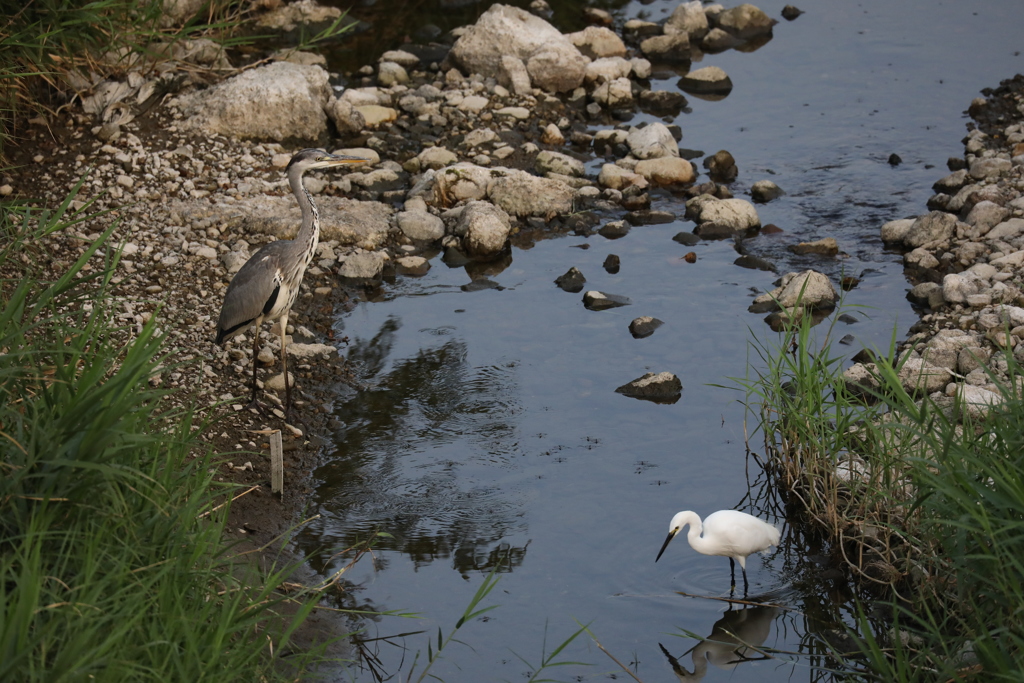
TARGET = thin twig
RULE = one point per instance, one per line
(612, 657)
(212, 510)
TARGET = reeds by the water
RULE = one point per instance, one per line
(922, 504)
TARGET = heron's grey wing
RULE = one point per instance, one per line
(252, 292)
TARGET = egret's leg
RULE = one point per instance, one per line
(732, 572)
(745, 586)
(283, 322)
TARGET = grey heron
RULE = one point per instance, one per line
(265, 288)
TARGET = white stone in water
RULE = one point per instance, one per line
(652, 141)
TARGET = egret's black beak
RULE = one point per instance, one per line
(671, 535)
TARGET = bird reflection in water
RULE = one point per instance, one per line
(735, 638)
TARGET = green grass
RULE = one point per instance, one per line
(109, 569)
(929, 517)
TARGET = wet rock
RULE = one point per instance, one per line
(809, 289)
(638, 29)
(607, 69)
(596, 42)
(480, 284)
(721, 167)
(688, 18)
(652, 141)
(662, 102)
(735, 215)
(668, 170)
(600, 301)
(755, 263)
(614, 230)
(552, 61)
(484, 229)
(893, 232)
(823, 247)
(659, 387)
(420, 225)
(363, 266)
(614, 94)
(709, 80)
(672, 48)
(718, 40)
(745, 21)
(650, 217)
(619, 178)
(611, 264)
(412, 265)
(951, 183)
(687, 239)
(563, 164)
(927, 294)
(276, 101)
(764, 191)
(789, 12)
(936, 226)
(571, 281)
(644, 326)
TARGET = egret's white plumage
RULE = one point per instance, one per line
(730, 533)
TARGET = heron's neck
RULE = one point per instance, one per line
(309, 232)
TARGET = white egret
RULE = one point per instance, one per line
(731, 533)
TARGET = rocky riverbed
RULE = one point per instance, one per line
(496, 137)
(472, 145)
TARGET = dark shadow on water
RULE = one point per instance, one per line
(390, 470)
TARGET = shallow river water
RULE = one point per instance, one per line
(488, 430)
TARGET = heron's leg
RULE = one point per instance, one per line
(746, 587)
(283, 322)
(732, 572)
(255, 354)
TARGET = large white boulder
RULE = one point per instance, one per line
(552, 61)
(277, 101)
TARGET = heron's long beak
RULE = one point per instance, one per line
(339, 159)
(671, 535)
